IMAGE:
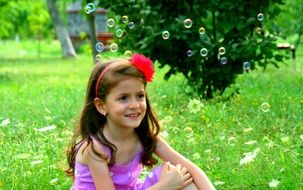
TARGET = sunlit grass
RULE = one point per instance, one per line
(236, 143)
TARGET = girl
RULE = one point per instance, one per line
(117, 135)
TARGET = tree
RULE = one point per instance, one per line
(290, 21)
(25, 19)
(62, 34)
(90, 16)
(209, 42)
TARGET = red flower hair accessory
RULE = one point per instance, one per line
(144, 64)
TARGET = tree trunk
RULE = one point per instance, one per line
(62, 34)
(92, 34)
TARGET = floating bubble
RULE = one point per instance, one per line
(124, 19)
(165, 35)
(201, 30)
(222, 51)
(131, 25)
(99, 46)
(128, 54)
(187, 23)
(189, 53)
(113, 47)
(89, 8)
(246, 65)
(110, 22)
(98, 57)
(203, 52)
(119, 33)
(260, 17)
(223, 60)
(265, 107)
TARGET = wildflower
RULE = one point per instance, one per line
(274, 183)
(168, 119)
(250, 142)
(48, 128)
(207, 151)
(231, 138)
(164, 134)
(219, 183)
(53, 181)
(270, 144)
(23, 156)
(195, 106)
(191, 140)
(36, 162)
(5, 122)
(285, 139)
(247, 130)
(188, 129)
(249, 156)
(196, 156)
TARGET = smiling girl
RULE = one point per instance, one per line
(117, 134)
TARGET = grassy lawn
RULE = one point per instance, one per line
(242, 142)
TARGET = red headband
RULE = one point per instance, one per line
(144, 64)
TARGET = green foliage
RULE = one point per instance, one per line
(215, 134)
(229, 24)
(25, 18)
(290, 21)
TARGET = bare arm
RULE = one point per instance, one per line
(167, 153)
(98, 167)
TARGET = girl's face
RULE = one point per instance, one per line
(125, 105)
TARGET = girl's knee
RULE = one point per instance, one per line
(191, 186)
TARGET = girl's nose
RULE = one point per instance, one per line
(134, 105)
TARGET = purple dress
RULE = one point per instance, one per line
(125, 177)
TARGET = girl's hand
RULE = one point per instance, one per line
(174, 177)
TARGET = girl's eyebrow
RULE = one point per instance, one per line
(125, 93)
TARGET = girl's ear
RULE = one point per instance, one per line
(100, 106)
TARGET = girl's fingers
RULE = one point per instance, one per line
(178, 167)
(165, 166)
(188, 181)
(184, 171)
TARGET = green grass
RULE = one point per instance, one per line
(43, 90)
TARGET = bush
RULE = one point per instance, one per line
(207, 41)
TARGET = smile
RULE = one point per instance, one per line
(133, 115)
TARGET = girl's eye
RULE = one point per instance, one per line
(123, 98)
(141, 96)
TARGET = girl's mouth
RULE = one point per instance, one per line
(133, 115)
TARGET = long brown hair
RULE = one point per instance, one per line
(91, 122)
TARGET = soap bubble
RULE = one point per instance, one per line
(113, 47)
(131, 25)
(201, 30)
(119, 33)
(110, 22)
(124, 19)
(203, 52)
(223, 60)
(89, 8)
(260, 17)
(187, 23)
(165, 35)
(189, 53)
(222, 51)
(98, 57)
(246, 65)
(265, 107)
(99, 46)
(128, 54)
